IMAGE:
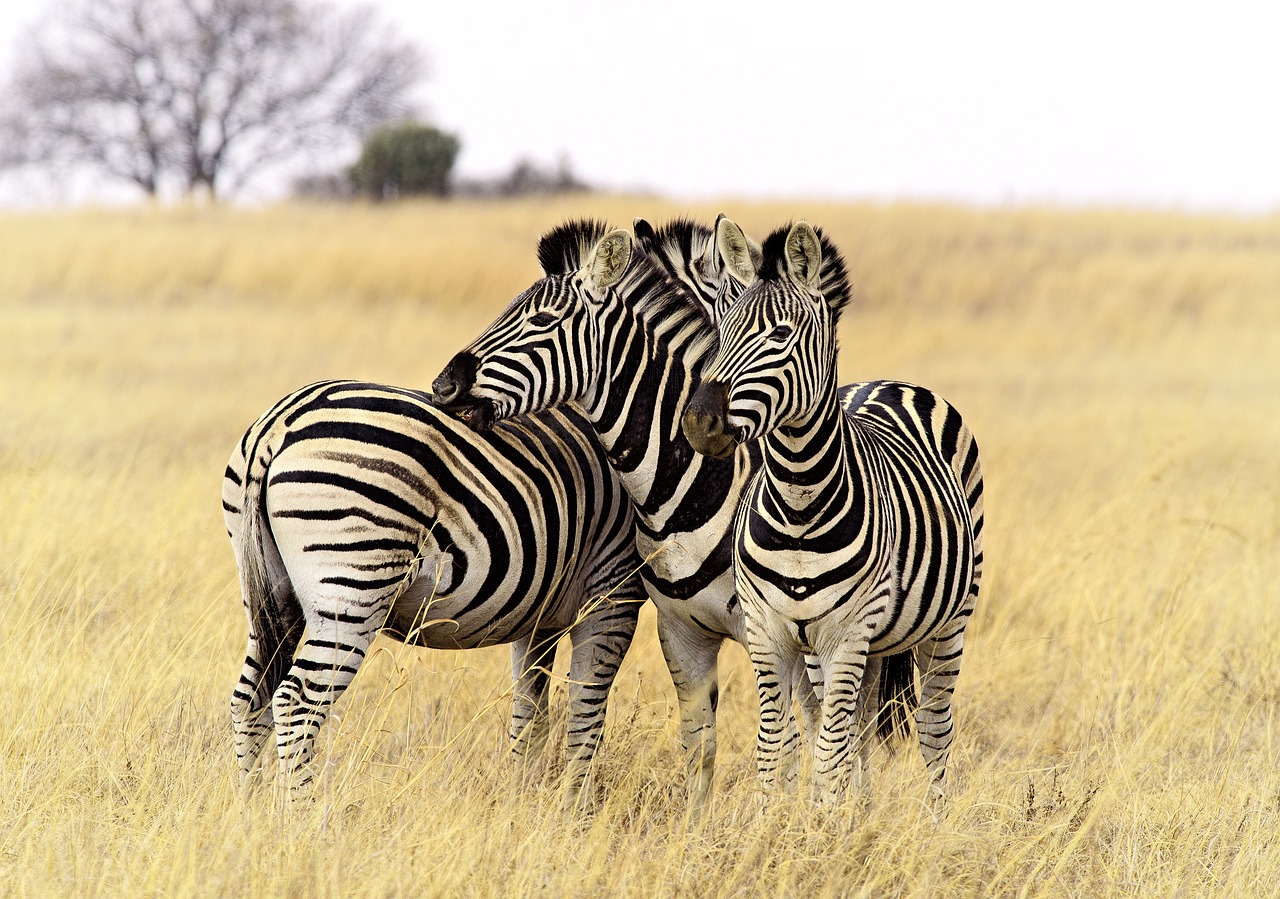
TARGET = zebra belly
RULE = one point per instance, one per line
(424, 615)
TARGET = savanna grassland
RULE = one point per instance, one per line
(1119, 710)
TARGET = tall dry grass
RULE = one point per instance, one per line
(1119, 710)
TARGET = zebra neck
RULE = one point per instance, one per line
(654, 350)
(814, 469)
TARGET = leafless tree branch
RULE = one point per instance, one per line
(204, 93)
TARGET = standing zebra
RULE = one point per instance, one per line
(862, 534)
(609, 331)
(355, 508)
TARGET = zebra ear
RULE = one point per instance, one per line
(645, 235)
(711, 260)
(734, 249)
(804, 255)
(609, 260)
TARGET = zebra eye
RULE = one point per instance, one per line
(542, 320)
(780, 333)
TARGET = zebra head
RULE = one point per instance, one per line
(777, 340)
(686, 250)
(541, 351)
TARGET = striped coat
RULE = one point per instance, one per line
(861, 537)
(611, 330)
(356, 509)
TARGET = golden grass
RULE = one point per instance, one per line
(1119, 710)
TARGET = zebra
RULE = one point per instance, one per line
(356, 508)
(686, 251)
(861, 536)
(610, 331)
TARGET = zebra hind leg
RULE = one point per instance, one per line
(870, 709)
(531, 659)
(324, 667)
(808, 686)
(265, 663)
(939, 662)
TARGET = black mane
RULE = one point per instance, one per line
(654, 289)
(566, 247)
(835, 278)
(682, 235)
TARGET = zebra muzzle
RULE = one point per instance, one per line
(451, 385)
(704, 422)
(451, 392)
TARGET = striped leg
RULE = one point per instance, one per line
(869, 713)
(335, 648)
(599, 644)
(778, 738)
(807, 680)
(265, 663)
(251, 715)
(531, 659)
(251, 718)
(692, 660)
(836, 764)
(939, 661)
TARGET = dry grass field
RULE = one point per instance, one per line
(1119, 710)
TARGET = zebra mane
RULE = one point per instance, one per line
(679, 239)
(834, 282)
(566, 248)
(659, 299)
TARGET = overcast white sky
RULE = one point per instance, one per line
(1171, 104)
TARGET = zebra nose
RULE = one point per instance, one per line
(456, 379)
(704, 421)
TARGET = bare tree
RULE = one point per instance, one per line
(202, 94)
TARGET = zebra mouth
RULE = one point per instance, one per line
(478, 415)
(722, 446)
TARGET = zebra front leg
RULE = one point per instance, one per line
(939, 663)
(531, 660)
(692, 660)
(328, 660)
(836, 765)
(870, 700)
(599, 644)
(777, 738)
(808, 686)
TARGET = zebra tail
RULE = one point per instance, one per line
(898, 700)
(275, 614)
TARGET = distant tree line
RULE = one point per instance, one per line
(413, 159)
(199, 97)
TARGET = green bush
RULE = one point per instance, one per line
(404, 160)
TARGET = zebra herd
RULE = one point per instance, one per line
(656, 417)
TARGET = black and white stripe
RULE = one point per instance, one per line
(358, 508)
(862, 535)
(612, 330)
